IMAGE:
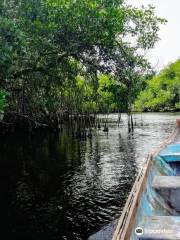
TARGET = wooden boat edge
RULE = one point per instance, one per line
(125, 223)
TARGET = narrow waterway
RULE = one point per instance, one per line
(56, 187)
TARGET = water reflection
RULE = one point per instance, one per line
(57, 187)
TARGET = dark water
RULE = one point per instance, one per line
(55, 187)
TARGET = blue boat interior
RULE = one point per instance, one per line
(171, 153)
(158, 213)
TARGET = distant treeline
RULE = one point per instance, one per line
(162, 92)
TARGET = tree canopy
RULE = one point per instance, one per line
(82, 55)
(162, 92)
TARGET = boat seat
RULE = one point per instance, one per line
(160, 228)
(171, 153)
(168, 187)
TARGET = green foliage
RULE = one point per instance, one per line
(3, 102)
(162, 92)
(74, 55)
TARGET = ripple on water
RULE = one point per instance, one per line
(60, 188)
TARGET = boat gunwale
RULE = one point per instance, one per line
(125, 223)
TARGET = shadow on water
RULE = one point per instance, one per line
(57, 187)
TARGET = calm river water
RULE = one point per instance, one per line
(56, 187)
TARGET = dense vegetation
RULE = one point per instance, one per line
(82, 56)
(162, 92)
(3, 102)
